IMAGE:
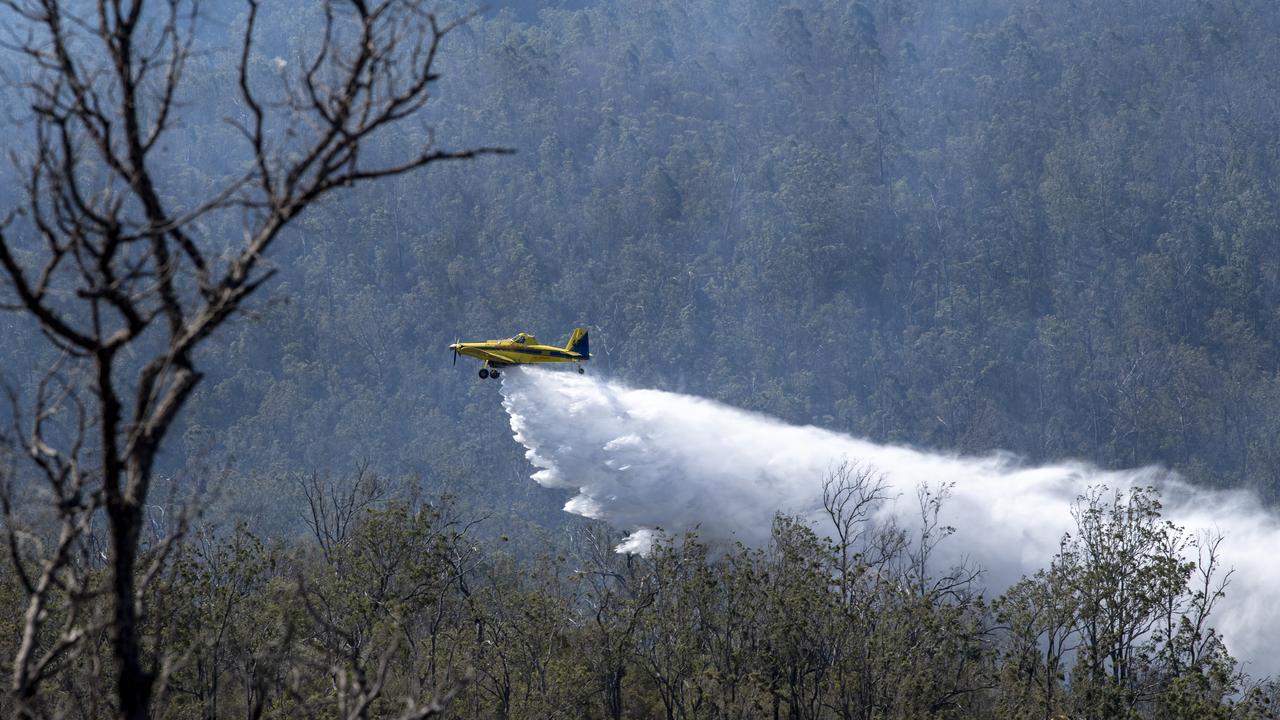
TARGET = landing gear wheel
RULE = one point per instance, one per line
(484, 373)
(581, 369)
(495, 374)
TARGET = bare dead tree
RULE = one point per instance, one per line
(1208, 585)
(333, 507)
(55, 579)
(126, 283)
(851, 493)
(955, 583)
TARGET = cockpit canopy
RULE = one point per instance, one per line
(524, 339)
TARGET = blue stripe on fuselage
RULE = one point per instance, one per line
(528, 351)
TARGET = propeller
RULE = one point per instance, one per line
(454, 348)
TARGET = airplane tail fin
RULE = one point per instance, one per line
(578, 343)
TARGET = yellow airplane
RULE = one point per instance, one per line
(523, 349)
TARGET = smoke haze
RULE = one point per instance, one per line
(645, 460)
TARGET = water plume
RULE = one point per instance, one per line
(648, 461)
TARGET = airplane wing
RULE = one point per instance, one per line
(497, 357)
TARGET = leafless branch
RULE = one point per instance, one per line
(99, 257)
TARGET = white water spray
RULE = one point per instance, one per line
(647, 459)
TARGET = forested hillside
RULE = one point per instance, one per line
(1039, 227)
(975, 226)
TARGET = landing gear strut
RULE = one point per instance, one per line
(484, 373)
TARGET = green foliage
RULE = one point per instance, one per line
(947, 224)
(409, 606)
(1123, 598)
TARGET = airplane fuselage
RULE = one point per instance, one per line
(524, 349)
(504, 352)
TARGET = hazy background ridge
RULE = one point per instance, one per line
(967, 226)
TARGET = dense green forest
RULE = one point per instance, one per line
(1047, 228)
(403, 605)
(1038, 227)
